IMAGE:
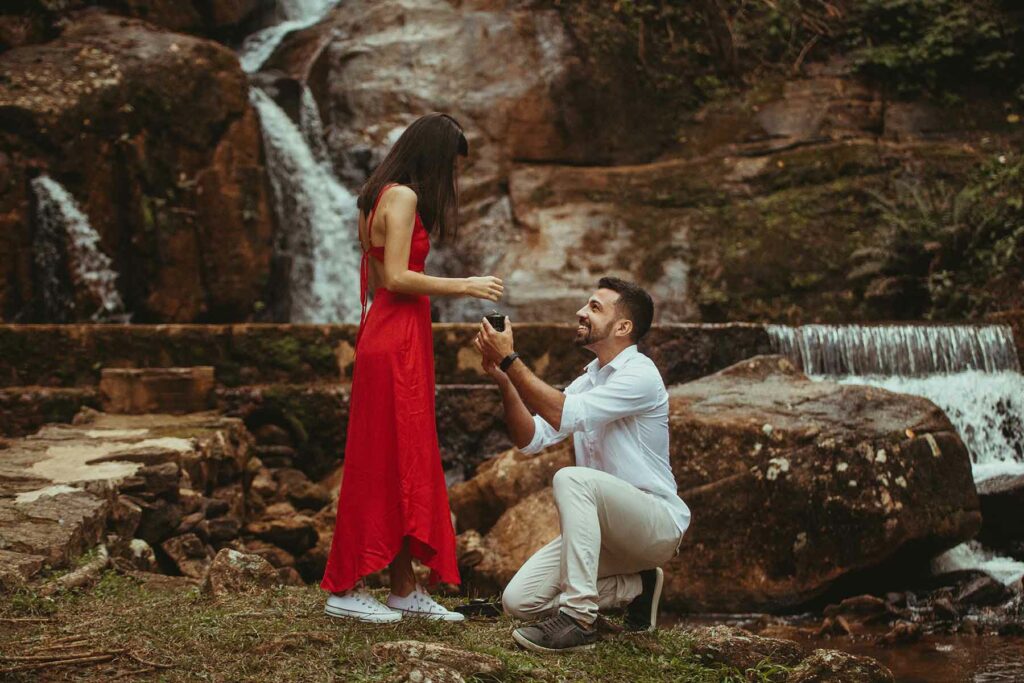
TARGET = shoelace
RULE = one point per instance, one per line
(363, 597)
(556, 623)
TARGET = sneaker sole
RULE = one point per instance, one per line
(432, 617)
(528, 644)
(362, 616)
(659, 583)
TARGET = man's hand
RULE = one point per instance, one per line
(494, 345)
(492, 369)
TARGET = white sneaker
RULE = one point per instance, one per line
(359, 604)
(420, 604)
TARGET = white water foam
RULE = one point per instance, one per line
(59, 216)
(972, 555)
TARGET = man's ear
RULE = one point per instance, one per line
(624, 327)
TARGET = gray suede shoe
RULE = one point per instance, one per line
(559, 633)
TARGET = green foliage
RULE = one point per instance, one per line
(933, 46)
(971, 239)
(691, 52)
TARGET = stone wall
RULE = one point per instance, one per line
(297, 376)
(72, 355)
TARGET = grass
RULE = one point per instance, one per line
(283, 635)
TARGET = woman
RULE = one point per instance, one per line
(393, 505)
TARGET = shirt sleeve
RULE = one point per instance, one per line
(544, 435)
(629, 391)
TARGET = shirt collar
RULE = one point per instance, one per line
(615, 363)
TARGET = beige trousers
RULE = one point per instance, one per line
(611, 530)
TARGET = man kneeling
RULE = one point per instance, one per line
(619, 512)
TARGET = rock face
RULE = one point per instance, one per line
(61, 490)
(34, 21)
(544, 108)
(152, 134)
(794, 485)
(502, 482)
(568, 178)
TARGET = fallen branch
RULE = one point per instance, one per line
(128, 674)
(146, 662)
(24, 620)
(94, 659)
(52, 658)
(82, 576)
(67, 645)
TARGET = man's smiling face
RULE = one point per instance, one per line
(596, 318)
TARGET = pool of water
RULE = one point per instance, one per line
(932, 659)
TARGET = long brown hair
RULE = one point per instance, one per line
(424, 159)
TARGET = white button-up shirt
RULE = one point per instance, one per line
(618, 415)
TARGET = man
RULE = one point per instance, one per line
(619, 513)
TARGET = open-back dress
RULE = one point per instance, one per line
(393, 485)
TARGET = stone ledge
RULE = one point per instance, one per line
(74, 355)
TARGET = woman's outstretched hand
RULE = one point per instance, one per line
(485, 287)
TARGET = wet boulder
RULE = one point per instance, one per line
(833, 666)
(796, 483)
(734, 647)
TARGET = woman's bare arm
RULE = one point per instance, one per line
(399, 213)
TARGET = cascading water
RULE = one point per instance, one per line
(61, 221)
(296, 15)
(971, 372)
(317, 214)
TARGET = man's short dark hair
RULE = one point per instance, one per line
(634, 303)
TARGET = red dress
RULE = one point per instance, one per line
(394, 485)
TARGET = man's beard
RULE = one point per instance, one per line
(592, 336)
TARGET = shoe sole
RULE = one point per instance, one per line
(528, 644)
(362, 616)
(431, 617)
(659, 583)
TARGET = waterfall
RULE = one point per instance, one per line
(905, 350)
(60, 221)
(316, 213)
(971, 372)
(972, 555)
(318, 216)
(297, 15)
